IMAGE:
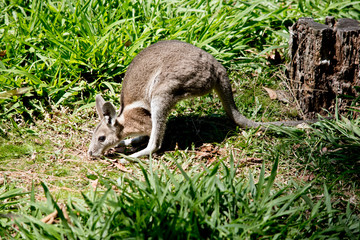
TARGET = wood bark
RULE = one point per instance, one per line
(324, 64)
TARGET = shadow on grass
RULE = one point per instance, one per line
(335, 163)
(339, 169)
(342, 164)
(186, 131)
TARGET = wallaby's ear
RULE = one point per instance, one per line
(99, 105)
(109, 113)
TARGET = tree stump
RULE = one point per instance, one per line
(324, 64)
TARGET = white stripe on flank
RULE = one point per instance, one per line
(137, 104)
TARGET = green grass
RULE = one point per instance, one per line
(63, 52)
(213, 203)
(211, 179)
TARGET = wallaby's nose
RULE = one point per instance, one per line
(90, 153)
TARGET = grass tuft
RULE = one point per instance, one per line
(208, 204)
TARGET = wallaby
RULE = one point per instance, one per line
(157, 78)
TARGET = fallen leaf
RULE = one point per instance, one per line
(206, 147)
(50, 219)
(210, 160)
(202, 154)
(122, 168)
(207, 151)
(272, 93)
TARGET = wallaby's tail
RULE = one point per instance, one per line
(223, 89)
(288, 123)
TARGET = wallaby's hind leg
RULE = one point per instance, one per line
(159, 111)
(223, 89)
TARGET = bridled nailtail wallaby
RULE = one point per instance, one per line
(157, 78)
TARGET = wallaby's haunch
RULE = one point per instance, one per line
(158, 77)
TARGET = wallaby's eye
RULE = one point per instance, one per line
(101, 138)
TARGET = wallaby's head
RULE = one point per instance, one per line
(107, 133)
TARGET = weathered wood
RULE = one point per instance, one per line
(324, 63)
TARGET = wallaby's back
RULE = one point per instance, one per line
(170, 67)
